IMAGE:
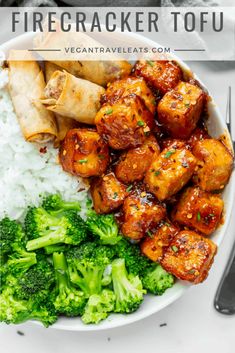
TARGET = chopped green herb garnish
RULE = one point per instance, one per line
(198, 216)
(175, 248)
(151, 63)
(101, 156)
(169, 153)
(157, 172)
(154, 102)
(82, 161)
(191, 272)
(167, 224)
(109, 111)
(128, 189)
(140, 123)
(187, 105)
(115, 195)
(149, 234)
(211, 215)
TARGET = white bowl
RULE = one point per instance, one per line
(151, 304)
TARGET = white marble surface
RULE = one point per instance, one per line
(192, 324)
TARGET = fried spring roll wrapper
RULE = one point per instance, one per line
(99, 71)
(72, 97)
(64, 124)
(26, 85)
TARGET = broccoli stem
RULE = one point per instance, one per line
(61, 268)
(66, 206)
(27, 260)
(51, 238)
(119, 274)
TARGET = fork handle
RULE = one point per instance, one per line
(225, 296)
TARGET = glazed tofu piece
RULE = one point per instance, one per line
(133, 164)
(189, 256)
(199, 210)
(162, 76)
(127, 86)
(141, 212)
(107, 193)
(154, 244)
(180, 109)
(84, 153)
(215, 164)
(124, 123)
(198, 134)
(170, 171)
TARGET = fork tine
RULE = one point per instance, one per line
(228, 110)
(229, 116)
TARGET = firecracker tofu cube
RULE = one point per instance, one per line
(180, 109)
(189, 256)
(162, 75)
(199, 210)
(124, 123)
(130, 85)
(107, 193)
(154, 244)
(170, 171)
(133, 164)
(141, 212)
(215, 163)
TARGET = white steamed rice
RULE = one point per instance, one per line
(25, 173)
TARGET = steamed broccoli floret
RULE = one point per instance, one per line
(54, 204)
(68, 300)
(87, 264)
(37, 281)
(50, 230)
(104, 227)
(98, 307)
(13, 240)
(156, 280)
(128, 289)
(12, 236)
(135, 262)
(16, 311)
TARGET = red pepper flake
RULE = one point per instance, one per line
(43, 150)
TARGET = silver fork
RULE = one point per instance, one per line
(224, 301)
(229, 116)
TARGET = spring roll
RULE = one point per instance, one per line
(64, 124)
(72, 97)
(100, 72)
(26, 85)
